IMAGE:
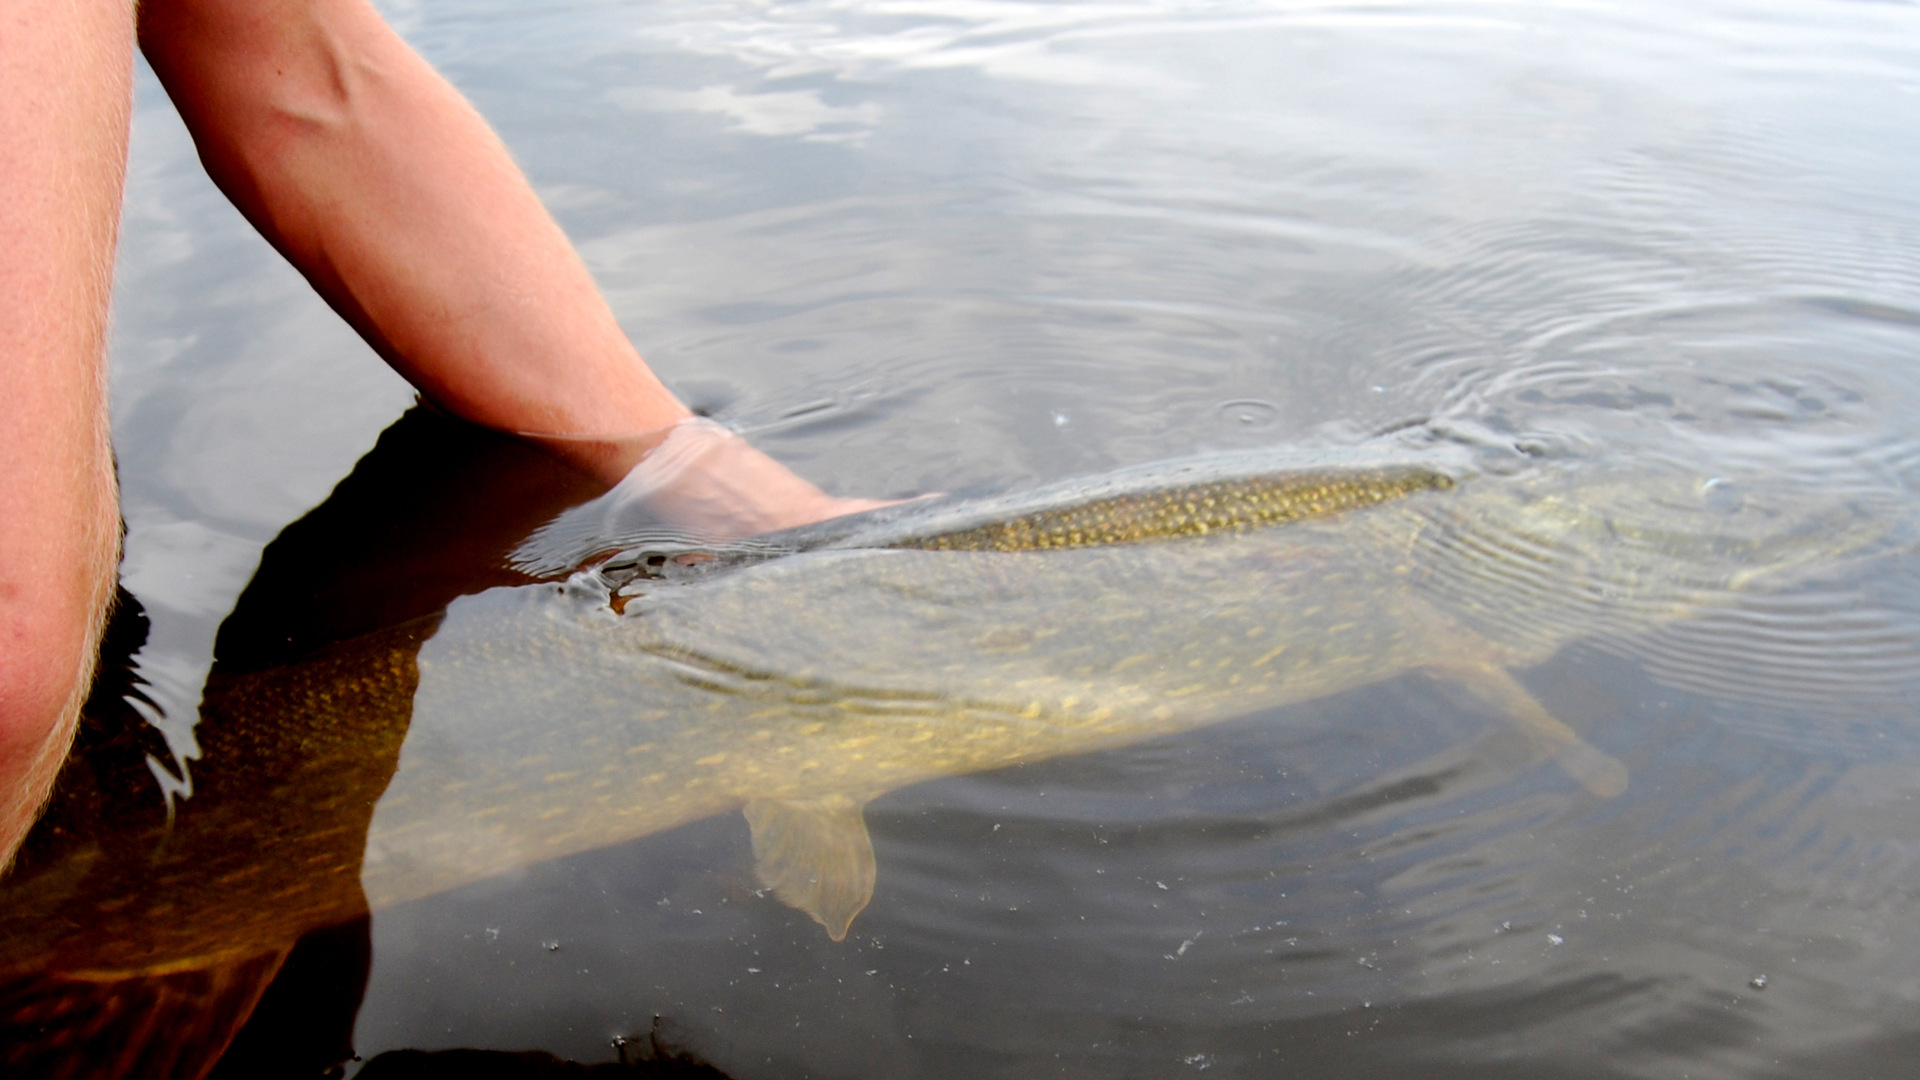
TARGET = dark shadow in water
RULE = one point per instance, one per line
(429, 515)
(506, 1065)
(653, 1057)
(303, 1025)
(142, 939)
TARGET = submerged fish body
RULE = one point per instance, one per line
(929, 641)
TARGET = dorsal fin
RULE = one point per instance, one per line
(816, 856)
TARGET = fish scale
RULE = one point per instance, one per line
(1191, 510)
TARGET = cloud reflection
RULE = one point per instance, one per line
(784, 112)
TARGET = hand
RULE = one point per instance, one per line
(701, 478)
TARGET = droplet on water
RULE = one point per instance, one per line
(1248, 412)
(1721, 495)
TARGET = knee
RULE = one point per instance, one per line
(49, 641)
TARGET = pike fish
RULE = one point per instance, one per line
(798, 676)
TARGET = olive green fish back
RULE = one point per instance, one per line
(1233, 505)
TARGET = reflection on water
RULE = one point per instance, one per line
(925, 247)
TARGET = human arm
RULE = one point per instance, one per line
(378, 181)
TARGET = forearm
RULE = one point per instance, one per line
(65, 76)
(384, 187)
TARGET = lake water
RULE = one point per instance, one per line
(926, 246)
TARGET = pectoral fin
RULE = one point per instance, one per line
(815, 856)
(1595, 769)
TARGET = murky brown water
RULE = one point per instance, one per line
(910, 247)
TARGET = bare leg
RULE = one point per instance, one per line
(65, 92)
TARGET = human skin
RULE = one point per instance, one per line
(65, 87)
(375, 179)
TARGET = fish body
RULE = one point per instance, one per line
(926, 641)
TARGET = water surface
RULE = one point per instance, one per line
(911, 247)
